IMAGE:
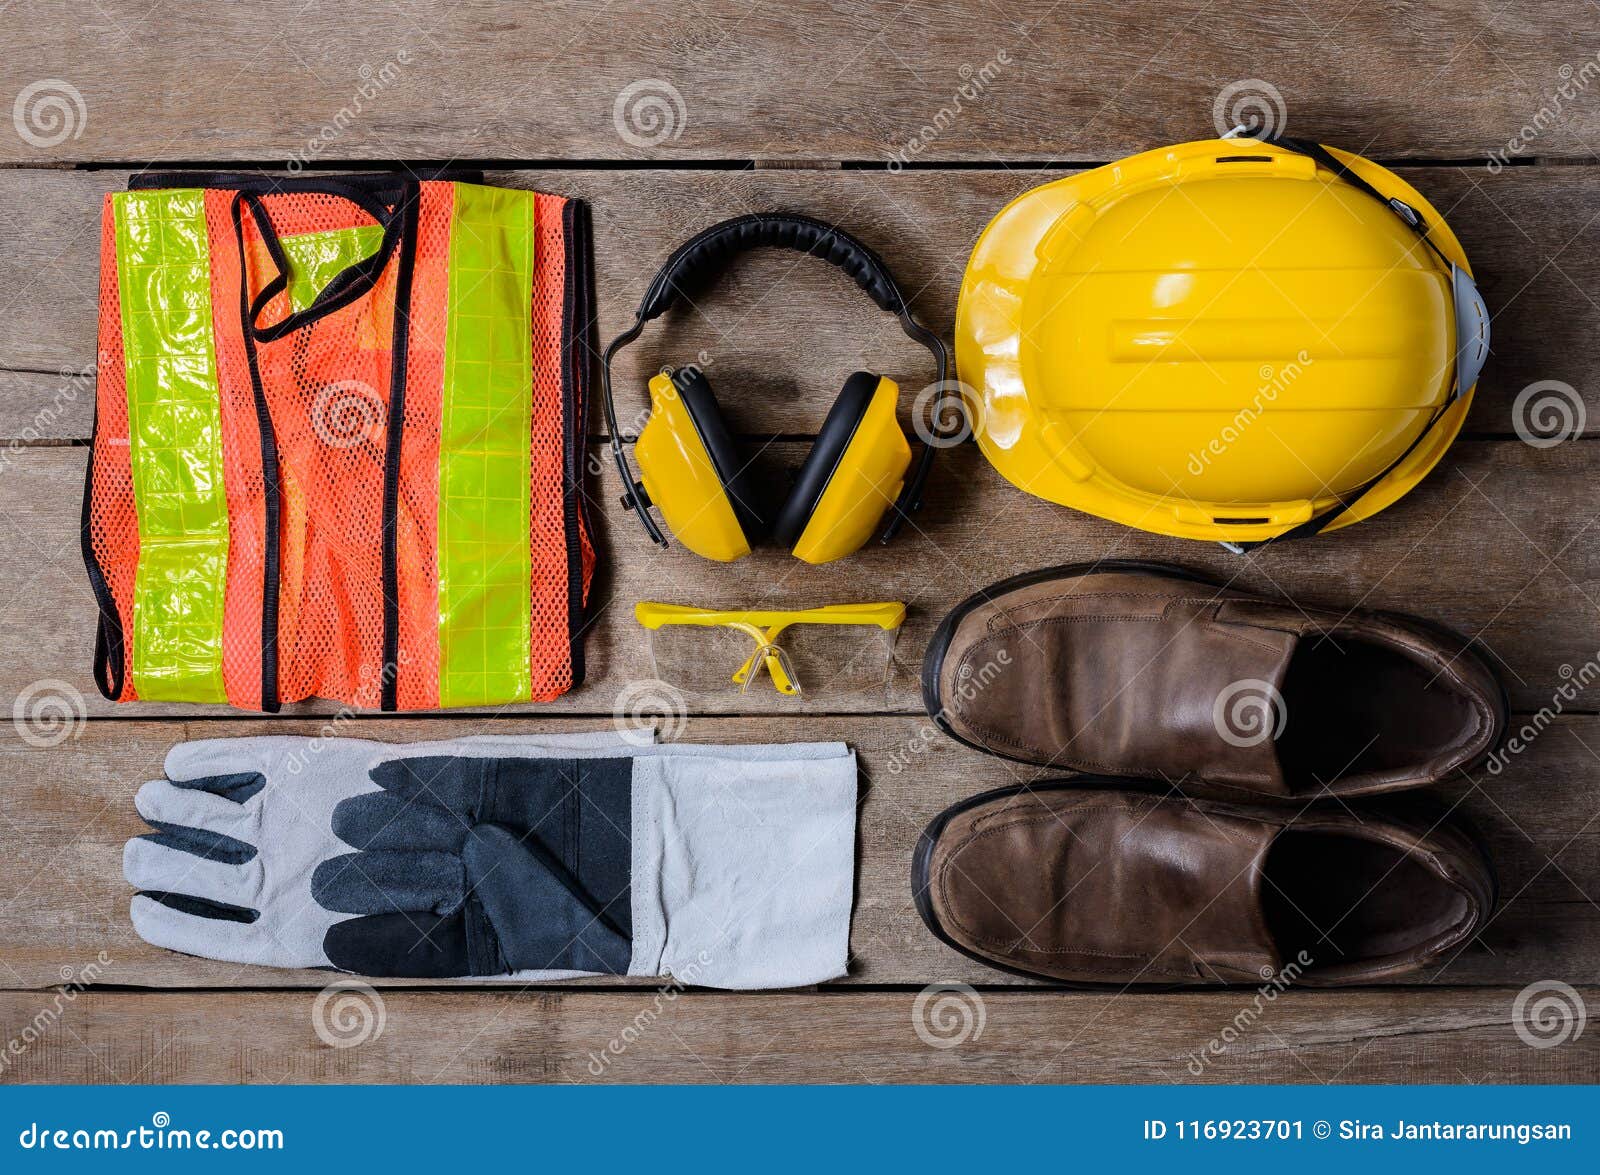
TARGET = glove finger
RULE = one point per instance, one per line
(151, 865)
(388, 882)
(410, 946)
(519, 791)
(175, 929)
(163, 802)
(383, 820)
(208, 758)
(457, 783)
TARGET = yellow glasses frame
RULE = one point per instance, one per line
(764, 626)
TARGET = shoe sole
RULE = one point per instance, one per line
(939, 645)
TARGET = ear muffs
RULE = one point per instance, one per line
(692, 470)
(854, 472)
(689, 465)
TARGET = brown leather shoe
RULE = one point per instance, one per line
(1149, 671)
(1087, 885)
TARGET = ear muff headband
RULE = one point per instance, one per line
(703, 256)
(706, 254)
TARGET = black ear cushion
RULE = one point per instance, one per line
(837, 431)
(733, 468)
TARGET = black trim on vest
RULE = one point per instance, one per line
(577, 365)
(407, 212)
(271, 488)
(109, 669)
(348, 284)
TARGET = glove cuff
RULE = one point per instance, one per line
(743, 870)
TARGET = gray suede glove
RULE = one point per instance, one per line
(502, 857)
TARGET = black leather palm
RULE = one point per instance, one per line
(474, 866)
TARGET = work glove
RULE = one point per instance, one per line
(502, 857)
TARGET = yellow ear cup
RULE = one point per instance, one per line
(681, 480)
(865, 482)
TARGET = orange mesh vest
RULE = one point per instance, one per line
(337, 445)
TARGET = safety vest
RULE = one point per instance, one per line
(337, 446)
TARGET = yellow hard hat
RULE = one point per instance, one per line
(1230, 339)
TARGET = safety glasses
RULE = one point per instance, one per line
(837, 649)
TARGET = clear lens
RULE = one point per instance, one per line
(824, 660)
(837, 659)
(700, 658)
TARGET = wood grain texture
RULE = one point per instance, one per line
(779, 336)
(1026, 80)
(67, 812)
(578, 1037)
(1499, 543)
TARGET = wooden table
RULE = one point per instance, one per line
(815, 107)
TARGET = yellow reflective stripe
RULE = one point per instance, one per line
(315, 259)
(486, 418)
(175, 439)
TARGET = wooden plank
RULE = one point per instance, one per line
(781, 334)
(471, 1038)
(1028, 80)
(1478, 547)
(67, 812)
